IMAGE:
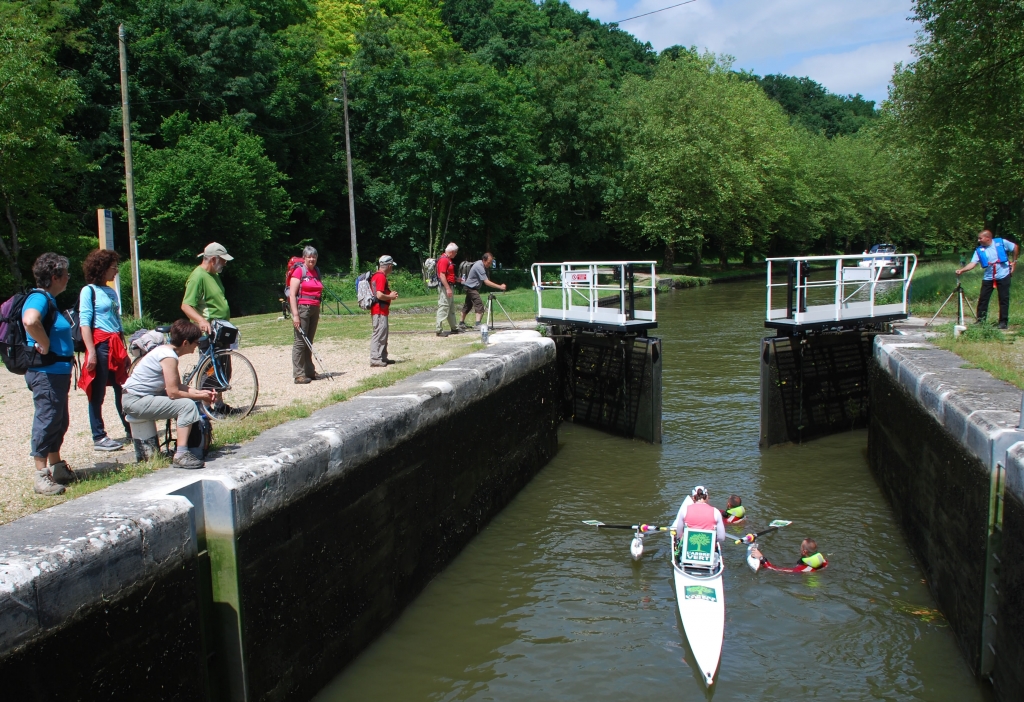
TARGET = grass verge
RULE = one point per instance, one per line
(987, 348)
(98, 481)
(686, 281)
(234, 433)
(982, 345)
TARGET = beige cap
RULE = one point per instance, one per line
(215, 249)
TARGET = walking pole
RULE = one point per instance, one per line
(315, 355)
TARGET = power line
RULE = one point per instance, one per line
(653, 12)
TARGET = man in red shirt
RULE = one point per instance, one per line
(445, 292)
(379, 312)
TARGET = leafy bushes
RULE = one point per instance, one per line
(163, 286)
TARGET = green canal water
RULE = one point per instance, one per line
(541, 607)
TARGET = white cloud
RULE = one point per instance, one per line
(780, 36)
(859, 71)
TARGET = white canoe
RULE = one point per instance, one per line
(701, 600)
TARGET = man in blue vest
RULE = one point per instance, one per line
(993, 254)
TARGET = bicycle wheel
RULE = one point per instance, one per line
(232, 375)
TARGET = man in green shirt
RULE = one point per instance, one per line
(204, 293)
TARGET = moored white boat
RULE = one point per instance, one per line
(700, 597)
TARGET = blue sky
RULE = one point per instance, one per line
(849, 46)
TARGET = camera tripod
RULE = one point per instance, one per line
(489, 316)
(961, 299)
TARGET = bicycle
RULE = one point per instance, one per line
(218, 367)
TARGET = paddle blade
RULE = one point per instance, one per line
(593, 523)
(779, 523)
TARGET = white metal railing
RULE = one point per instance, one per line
(583, 285)
(861, 287)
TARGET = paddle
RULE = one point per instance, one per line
(774, 526)
(634, 527)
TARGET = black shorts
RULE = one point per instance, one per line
(473, 302)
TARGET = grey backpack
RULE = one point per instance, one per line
(364, 291)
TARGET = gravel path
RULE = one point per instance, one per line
(346, 359)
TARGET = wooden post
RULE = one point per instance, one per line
(129, 176)
(351, 196)
(105, 227)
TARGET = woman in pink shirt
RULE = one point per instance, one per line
(306, 290)
(696, 513)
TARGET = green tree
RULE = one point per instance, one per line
(450, 137)
(815, 108)
(701, 145)
(35, 156)
(211, 182)
(578, 147)
(959, 106)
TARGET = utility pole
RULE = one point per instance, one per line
(351, 196)
(129, 176)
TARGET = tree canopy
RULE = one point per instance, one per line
(527, 128)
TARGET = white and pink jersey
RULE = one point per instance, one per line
(699, 515)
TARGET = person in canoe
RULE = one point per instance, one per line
(734, 512)
(810, 559)
(696, 513)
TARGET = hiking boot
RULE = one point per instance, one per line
(62, 474)
(378, 364)
(1002, 325)
(44, 484)
(303, 380)
(187, 460)
(107, 444)
(462, 326)
(390, 362)
(442, 333)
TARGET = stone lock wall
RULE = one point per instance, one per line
(259, 577)
(944, 446)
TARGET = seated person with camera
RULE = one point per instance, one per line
(154, 389)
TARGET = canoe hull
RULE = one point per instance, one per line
(701, 602)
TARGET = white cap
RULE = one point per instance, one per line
(215, 249)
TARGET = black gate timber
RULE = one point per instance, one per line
(814, 386)
(613, 383)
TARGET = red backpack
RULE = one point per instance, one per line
(292, 262)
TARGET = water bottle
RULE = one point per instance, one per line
(483, 333)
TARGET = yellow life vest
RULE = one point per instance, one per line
(815, 561)
(736, 512)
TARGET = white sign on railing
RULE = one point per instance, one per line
(577, 277)
(603, 293)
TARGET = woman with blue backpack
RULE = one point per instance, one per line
(106, 358)
(48, 334)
